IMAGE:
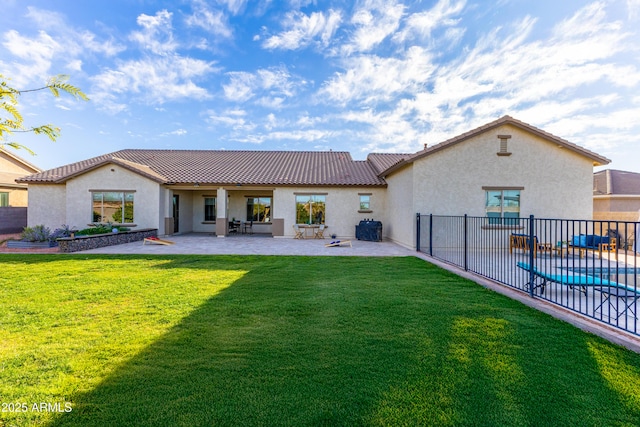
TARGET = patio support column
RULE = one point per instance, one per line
(222, 223)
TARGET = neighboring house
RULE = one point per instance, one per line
(501, 170)
(13, 167)
(616, 197)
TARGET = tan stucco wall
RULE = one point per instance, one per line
(18, 197)
(146, 200)
(10, 169)
(10, 165)
(47, 205)
(197, 216)
(342, 205)
(616, 204)
(400, 208)
(557, 182)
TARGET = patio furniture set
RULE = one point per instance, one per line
(581, 243)
(305, 231)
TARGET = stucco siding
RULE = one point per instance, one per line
(146, 200)
(199, 226)
(47, 205)
(400, 207)
(18, 197)
(556, 183)
(10, 165)
(342, 208)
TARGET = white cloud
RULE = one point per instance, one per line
(420, 25)
(375, 20)
(211, 20)
(271, 85)
(633, 7)
(235, 119)
(156, 34)
(158, 80)
(37, 55)
(177, 132)
(372, 79)
(304, 29)
(234, 6)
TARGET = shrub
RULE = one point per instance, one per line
(37, 233)
(63, 231)
(95, 229)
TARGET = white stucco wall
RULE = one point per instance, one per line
(342, 206)
(146, 200)
(47, 205)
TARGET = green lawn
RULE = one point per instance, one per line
(230, 340)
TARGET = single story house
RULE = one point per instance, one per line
(501, 170)
(616, 195)
(13, 167)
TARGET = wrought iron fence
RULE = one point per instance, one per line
(591, 267)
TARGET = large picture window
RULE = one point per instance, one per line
(310, 209)
(209, 208)
(259, 209)
(112, 206)
(503, 207)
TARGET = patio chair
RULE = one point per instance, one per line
(298, 232)
(521, 242)
(320, 233)
(233, 226)
(247, 227)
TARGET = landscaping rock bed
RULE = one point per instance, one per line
(83, 243)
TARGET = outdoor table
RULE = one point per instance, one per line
(312, 227)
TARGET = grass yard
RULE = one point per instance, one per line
(242, 341)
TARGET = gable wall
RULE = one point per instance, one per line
(10, 165)
(146, 200)
(557, 182)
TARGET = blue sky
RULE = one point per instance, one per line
(360, 76)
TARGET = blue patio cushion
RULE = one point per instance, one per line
(580, 240)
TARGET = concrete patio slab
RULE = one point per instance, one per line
(208, 244)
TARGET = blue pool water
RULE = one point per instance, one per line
(604, 271)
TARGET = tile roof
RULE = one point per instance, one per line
(597, 159)
(616, 182)
(383, 161)
(308, 168)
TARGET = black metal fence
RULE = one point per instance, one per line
(591, 267)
